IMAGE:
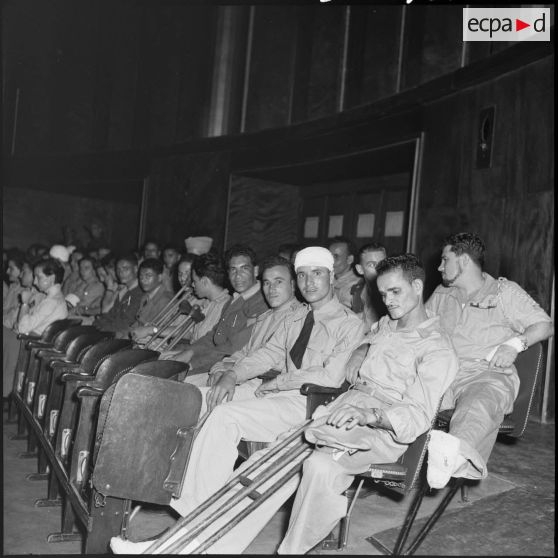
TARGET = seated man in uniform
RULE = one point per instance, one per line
(89, 291)
(313, 347)
(365, 298)
(208, 277)
(490, 322)
(237, 319)
(278, 286)
(127, 300)
(343, 255)
(154, 300)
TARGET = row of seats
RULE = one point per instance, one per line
(110, 424)
(59, 392)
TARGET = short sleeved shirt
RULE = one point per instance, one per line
(498, 311)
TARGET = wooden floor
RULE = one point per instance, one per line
(511, 513)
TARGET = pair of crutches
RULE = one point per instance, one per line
(167, 315)
(199, 530)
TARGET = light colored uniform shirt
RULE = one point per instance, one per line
(336, 332)
(343, 284)
(212, 311)
(49, 309)
(408, 370)
(90, 296)
(498, 311)
(151, 305)
(265, 327)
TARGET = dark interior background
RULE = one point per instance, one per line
(236, 116)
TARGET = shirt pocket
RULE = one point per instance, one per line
(401, 362)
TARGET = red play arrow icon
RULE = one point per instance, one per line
(519, 24)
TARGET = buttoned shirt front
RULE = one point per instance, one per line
(343, 284)
(232, 331)
(265, 327)
(336, 332)
(498, 311)
(49, 309)
(409, 370)
(212, 311)
(151, 305)
(90, 294)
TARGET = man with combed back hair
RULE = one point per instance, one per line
(490, 322)
(278, 286)
(237, 319)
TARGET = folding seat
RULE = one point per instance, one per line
(79, 339)
(62, 404)
(27, 344)
(76, 429)
(121, 427)
(36, 376)
(410, 471)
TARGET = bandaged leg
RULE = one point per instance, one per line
(481, 402)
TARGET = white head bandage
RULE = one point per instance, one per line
(314, 256)
(59, 252)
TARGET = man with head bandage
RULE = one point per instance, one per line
(313, 347)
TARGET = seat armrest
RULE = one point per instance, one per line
(67, 366)
(27, 337)
(311, 389)
(36, 344)
(89, 391)
(69, 376)
(49, 353)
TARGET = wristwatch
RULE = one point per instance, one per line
(524, 344)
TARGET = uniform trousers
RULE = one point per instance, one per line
(481, 398)
(214, 451)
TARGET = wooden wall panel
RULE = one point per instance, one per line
(34, 216)
(188, 197)
(263, 214)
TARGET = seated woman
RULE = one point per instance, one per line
(26, 285)
(34, 318)
(11, 300)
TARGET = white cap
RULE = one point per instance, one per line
(59, 252)
(72, 299)
(314, 256)
(198, 244)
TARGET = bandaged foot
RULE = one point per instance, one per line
(120, 546)
(443, 458)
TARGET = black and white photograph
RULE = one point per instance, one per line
(278, 278)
